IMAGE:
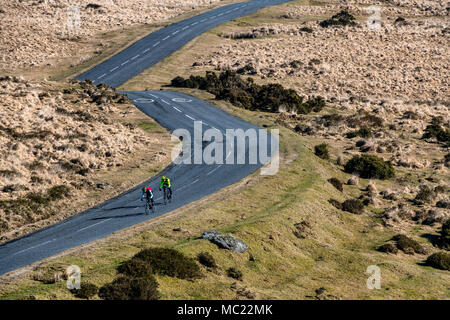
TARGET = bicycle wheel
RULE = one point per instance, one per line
(165, 195)
(147, 208)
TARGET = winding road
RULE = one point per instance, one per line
(173, 111)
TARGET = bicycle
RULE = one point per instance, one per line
(167, 195)
(149, 206)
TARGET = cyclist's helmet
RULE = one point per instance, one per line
(164, 177)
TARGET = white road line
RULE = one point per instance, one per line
(122, 64)
(136, 56)
(153, 95)
(212, 17)
(176, 109)
(213, 170)
(146, 50)
(229, 153)
(93, 225)
(174, 33)
(193, 24)
(156, 43)
(113, 69)
(165, 102)
(185, 28)
(166, 38)
(189, 117)
(203, 20)
(35, 246)
(102, 76)
(220, 14)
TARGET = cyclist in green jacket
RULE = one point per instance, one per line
(165, 184)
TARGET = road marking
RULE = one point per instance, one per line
(102, 76)
(146, 50)
(193, 24)
(229, 153)
(153, 95)
(165, 102)
(212, 17)
(175, 32)
(220, 14)
(166, 38)
(189, 117)
(125, 63)
(93, 225)
(213, 170)
(176, 109)
(135, 57)
(44, 243)
(185, 28)
(203, 20)
(113, 69)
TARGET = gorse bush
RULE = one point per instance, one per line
(170, 262)
(425, 194)
(128, 288)
(321, 151)
(444, 238)
(439, 260)
(136, 268)
(408, 245)
(370, 167)
(353, 205)
(336, 183)
(363, 132)
(343, 18)
(87, 290)
(206, 259)
(234, 273)
(246, 94)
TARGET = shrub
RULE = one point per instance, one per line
(321, 151)
(444, 238)
(439, 260)
(126, 288)
(135, 268)
(363, 132)
(229, 86)
(335, 203)
(370, 167)
(408, 245)
(58, 192)
(336, 183)
(170, 262)
(353, 205)
(343, 18)
(206, 259)
(388, 248)
(437, 131)
(234, 273)
(87, 290)
(425, 194)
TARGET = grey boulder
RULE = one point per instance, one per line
(225, 241)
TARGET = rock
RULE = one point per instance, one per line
(340, 160)
(225, 241)
(104, 185)
(353, 181)
(434, 216)
(371, 188)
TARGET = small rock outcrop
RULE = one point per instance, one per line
(225, 241)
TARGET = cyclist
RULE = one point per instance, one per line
(165, 183)
(147, 193)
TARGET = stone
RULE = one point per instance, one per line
(225, 241)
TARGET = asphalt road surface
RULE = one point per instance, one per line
(172, 110)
